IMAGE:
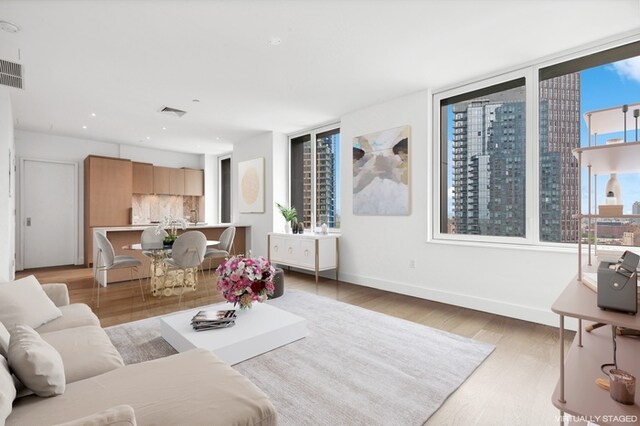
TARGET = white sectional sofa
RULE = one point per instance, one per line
(190, 388)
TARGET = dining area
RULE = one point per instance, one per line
(162, 266)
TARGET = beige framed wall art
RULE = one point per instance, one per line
(251, 181)
(381, 173)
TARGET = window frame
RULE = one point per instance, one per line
(220, 159)
(531, 72)
(312, 134)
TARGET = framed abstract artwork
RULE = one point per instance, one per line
(381, 173)
(251, 184)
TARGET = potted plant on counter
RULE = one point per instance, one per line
(290, 216)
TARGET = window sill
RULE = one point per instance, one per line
(550, 248)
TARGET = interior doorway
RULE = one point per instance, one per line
(48, 213)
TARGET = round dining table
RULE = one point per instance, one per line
(164, 281)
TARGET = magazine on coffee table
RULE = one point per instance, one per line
(206, 320)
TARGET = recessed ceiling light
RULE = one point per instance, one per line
(148, 138)
(93, 114)
(218, 138)
(9, 27)
(164, 128)
(274, 41)
(84, 127)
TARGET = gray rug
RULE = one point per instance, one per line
(357, 367)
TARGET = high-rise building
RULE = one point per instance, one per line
(559, 171)
(489, 155)
(636, 208)
(489, 166)
(326, 151)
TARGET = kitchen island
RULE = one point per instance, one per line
(121, 236)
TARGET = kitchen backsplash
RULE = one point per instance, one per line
(151, 208)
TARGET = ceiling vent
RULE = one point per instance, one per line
(10, 74)
(172, 111)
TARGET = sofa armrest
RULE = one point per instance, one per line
(58, 293)
(120, 415)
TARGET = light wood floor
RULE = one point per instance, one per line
(512, 387)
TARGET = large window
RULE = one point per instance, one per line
(483, 146)
(483, 152)
(315, 182)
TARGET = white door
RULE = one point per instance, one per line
(49, 213)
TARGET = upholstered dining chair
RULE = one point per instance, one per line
(224, 248)
(107, 261)
(187, 253)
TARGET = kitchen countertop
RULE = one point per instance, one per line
(140, 227)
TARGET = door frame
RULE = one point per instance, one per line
(22, 220)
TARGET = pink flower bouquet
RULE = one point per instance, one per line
(245, 280)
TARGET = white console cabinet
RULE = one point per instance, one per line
(313, 252)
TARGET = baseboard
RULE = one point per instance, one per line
(511, 310)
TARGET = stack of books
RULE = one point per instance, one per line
(210, 320)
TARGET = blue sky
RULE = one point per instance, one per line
(609, 86)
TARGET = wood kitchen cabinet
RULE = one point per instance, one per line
(176, 181)
(161, 180)
(194, 182)
(142, 178)
(108, 186)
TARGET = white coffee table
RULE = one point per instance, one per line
(257, 330)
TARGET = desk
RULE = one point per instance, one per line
(174, 280)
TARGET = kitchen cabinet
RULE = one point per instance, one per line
(176, 181)
(142, 178)
(194, 182)
(108, 186)
(161, 180)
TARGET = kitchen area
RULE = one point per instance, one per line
(124, 197)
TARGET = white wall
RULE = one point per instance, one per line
(211, 189)
(61, 148)
(7, 188)
(262, 145)
(376, 250)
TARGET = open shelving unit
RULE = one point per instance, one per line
(576, 392)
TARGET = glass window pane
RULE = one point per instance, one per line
(327, 178)
(559, 134)
(301, 178)
(225, 190)
(484, 152)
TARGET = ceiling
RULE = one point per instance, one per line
(124, 60)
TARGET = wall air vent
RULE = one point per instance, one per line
(172, 111)
(10, 74)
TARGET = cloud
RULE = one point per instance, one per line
(450, 193)
(629, 68)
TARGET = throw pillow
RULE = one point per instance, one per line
(7, 390)
(35, 362)
(25, 302)
(120, 415)
(4, 340)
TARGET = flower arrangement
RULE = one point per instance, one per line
(171, 224)
(244, 280)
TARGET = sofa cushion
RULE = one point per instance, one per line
(7, 390)
(4, 340)
(25, 302)
(121, 415)
(190, 388)
(58, 293)
(74, 315)
(35, 362)
(85, 351)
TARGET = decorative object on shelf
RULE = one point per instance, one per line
(171, 224)
(622, 386)
(381, 173)
(251, 179)
(613, 189)
(618, 284)
(300, 228)
(325, 229)
(244, 280)
(291, 218)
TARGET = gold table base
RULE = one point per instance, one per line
(171, 282)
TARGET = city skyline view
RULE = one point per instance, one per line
(487, 185)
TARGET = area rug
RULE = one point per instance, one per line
(357, 367)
